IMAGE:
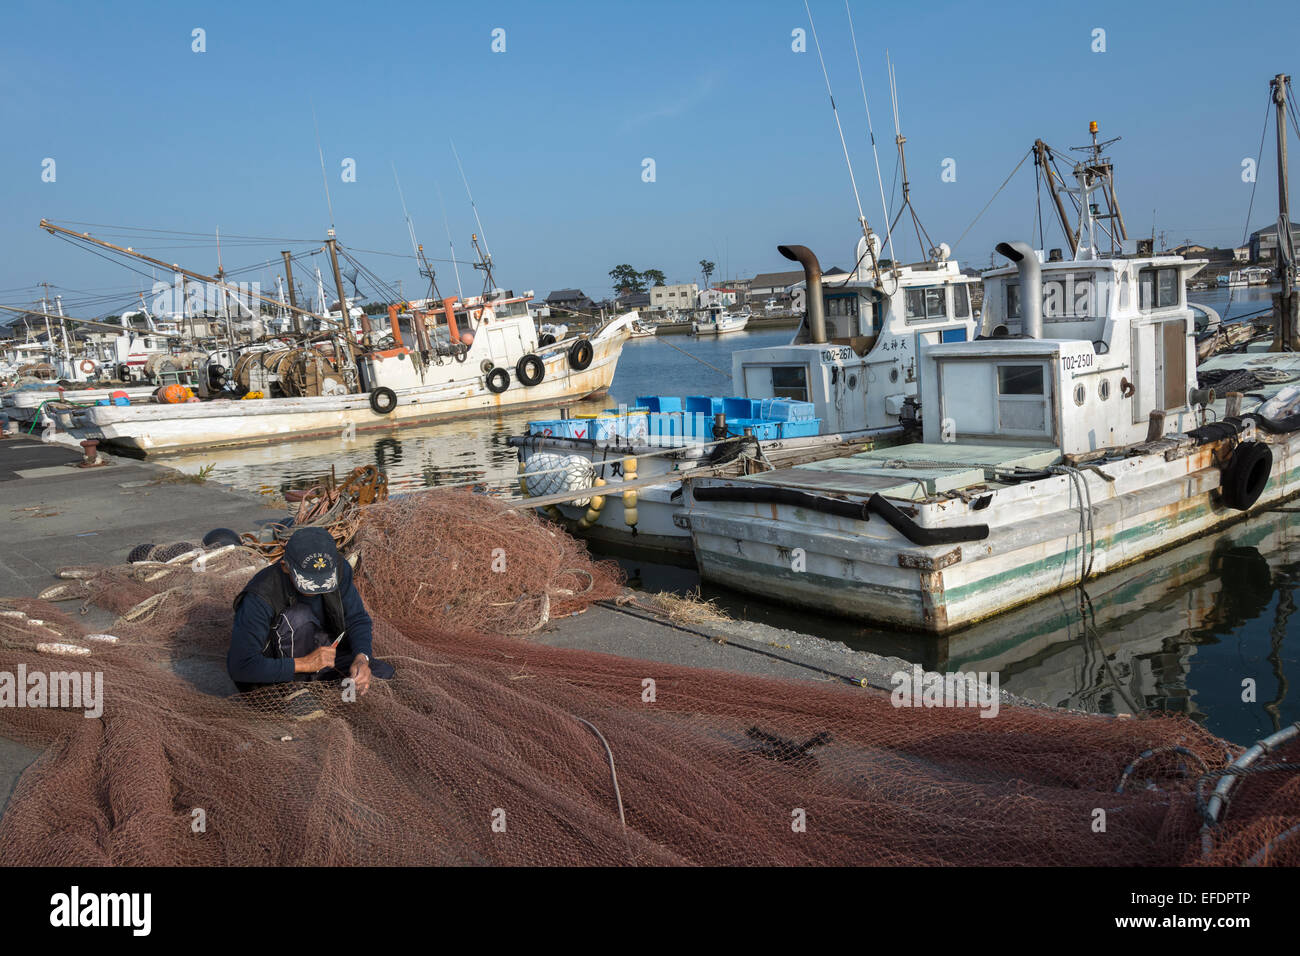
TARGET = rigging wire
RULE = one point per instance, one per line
(994, 196)
(835, 112)
(880, 181)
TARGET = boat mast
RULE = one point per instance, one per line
(186, 273)
(1286, 335)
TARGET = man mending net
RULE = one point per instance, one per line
(301, 619)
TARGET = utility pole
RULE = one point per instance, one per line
(1286, 327)
(293, 298)
(332, 245)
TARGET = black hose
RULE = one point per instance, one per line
(913, 532)
(768, 494)
(917, 534)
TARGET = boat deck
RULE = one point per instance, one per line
(915, 471)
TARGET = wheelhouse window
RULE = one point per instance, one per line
(926, 304)
(1022, 400)
(842, 305)
(1158, 289)
(790, 381)
(1013, 300)
(1071, 295)
(1020, 380)
(961, 301)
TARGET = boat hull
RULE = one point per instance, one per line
(160, 429)
(870, 571)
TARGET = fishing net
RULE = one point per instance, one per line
(489, 748)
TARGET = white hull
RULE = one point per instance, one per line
(870, 570)
(722, 327)
(156, 429)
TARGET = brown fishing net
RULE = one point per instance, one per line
(487, 748)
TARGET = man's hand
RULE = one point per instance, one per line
(361, 674)
(318, 659)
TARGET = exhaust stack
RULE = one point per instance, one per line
(1031, 286)
(812, 274)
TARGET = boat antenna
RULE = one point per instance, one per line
(418, 249)
(884, 205)
(324, 178)
(862, 219)
(487, 252)
(922, 237)
(454, 264)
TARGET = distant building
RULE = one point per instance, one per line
(630, 301)
(680, 296)
(1193, 250)
(1263, 243)
(721, 297)
(570, 299)
(774, 284)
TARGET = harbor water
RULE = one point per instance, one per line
(1200, 629)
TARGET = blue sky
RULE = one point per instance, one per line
(147, 133)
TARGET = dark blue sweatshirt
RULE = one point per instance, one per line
(254, 617)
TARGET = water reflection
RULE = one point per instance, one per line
(1201, 629)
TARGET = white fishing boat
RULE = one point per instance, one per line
(847, 377)
(1236, 279)
(642, 331)
(471, 357)
(717, 320)
(1071, 439)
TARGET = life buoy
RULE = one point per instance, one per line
(498, 380)
(580, 354)
(1245, 476)
(382, 400)
(86, 366)
(530, 370)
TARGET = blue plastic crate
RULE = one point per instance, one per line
(804, 428)
(787, 409)
(704, 404)
(741, 408)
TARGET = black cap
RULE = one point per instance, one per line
(313, 561)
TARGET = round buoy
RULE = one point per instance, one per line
(219, 537)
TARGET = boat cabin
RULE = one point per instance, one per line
(1112, 341)
(866, 369)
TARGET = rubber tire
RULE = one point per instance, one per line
(580, 354)
(1246, 475)
(500, 375)
(530, 370)
(382, 400)
(546, 339)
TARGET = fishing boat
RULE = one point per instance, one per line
(472, 356)
(1236, 279)
(847, 377)
(717, 320)
(1072, 438)
(642, 331)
